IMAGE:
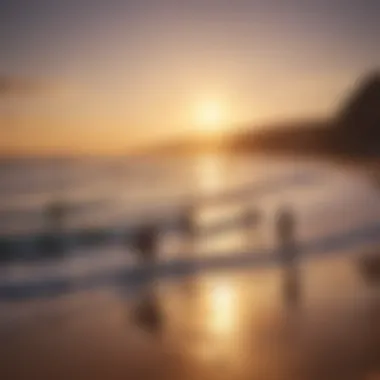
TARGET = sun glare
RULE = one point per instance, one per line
(210, 116)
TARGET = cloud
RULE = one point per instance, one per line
(11, 85)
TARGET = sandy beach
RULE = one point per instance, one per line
(225, 325)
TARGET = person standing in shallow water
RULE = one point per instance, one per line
(188, 228)
(251, 219)
(286, 235)
(187, 222)
(146, 243)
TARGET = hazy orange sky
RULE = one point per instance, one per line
(90, 76)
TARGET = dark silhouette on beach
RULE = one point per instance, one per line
(188, 228)
(187, 223)
(145, 241)
(251, 219)
(285, 230)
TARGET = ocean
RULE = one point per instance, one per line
(335, 206)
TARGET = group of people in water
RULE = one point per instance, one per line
(147, 313)
(146, 238)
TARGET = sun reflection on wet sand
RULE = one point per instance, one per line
(235, 324)
(214, 323)
(227, 325)
(223, 308)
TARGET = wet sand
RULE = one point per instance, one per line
(227, 325)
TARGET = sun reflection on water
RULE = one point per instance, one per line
(209, 173)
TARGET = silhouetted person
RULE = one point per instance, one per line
(286, 235)
(251, 218)
(288, 254)
(188, 228)
(186, 223)
(146, 242)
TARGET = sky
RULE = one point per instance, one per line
(103, 76)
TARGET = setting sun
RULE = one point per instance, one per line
(210, 116)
